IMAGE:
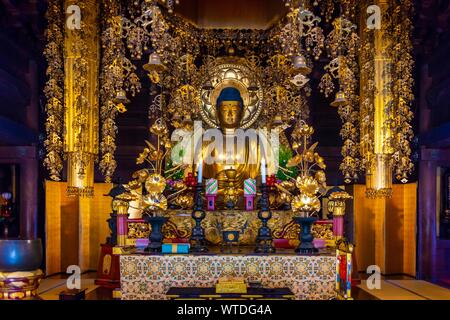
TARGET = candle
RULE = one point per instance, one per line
(199, 171)
(263, 170)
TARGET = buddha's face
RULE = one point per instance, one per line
(229, 114)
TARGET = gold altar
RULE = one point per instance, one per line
(228, 142)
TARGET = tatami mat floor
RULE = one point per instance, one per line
(393, 288)
(407, 290)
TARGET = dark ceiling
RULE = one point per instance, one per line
(234, 14)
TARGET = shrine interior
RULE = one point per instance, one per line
(184, 149)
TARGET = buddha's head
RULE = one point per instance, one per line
(229, 107)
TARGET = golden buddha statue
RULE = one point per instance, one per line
(240, 150)
(228, 148)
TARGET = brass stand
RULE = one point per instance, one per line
(198, 240)
(264, 238)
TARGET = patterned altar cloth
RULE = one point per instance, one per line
(148, 277)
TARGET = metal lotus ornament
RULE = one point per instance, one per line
(155, 183)
(307, 185)
(311, 181)
(155, 202)
(305, 204)
(185, 201)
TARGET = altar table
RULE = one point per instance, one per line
(147, 277)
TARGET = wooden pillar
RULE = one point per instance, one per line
(427, 217)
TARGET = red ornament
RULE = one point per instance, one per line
(190, 181)
(270, 181)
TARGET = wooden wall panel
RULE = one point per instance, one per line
(101, 209)
(410, 229)
(364, 233)
(52, 227)
(75, 227)
(385, 230)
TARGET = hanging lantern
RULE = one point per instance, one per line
(340, 99)
(299, 63)
(154, 63)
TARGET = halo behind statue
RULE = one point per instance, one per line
(235, 75)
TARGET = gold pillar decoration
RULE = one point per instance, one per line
(81, 56)
(386, 95)
(53, 90)
(378, 159)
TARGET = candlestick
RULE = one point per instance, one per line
(263, 170)
(264, 237)
(200, 171)
(198, 240)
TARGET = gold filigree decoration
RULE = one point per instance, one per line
(54, 90)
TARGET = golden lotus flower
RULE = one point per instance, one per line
(305, 203)
(306, 130)
(320, 176)
(307, 185)
(155, 201)
(184, 201)
(309, 156)
(155, 183)
(158, 128)
(178, 185)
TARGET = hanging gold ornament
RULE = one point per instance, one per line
(340, 100)
(54, 92)
(300, 65)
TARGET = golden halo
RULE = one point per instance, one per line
(231, 73)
